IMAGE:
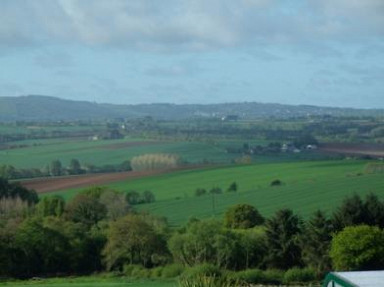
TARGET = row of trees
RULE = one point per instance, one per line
(233, 187)
(98, 230)
(155, 161)
(56, 168)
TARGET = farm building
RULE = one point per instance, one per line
(355, 279)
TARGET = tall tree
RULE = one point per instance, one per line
(282, 232)
(51, 206)
(75, 167)
(86, 209)
(243, 216)
(14, 190)
(131, 239)
(351, 212)
(316, 241)
(374, 210)
(43, 250)
(56, 168)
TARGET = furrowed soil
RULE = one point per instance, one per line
(49, 184)
(374, 150)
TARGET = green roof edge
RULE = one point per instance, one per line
(342, 281)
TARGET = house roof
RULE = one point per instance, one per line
(357, 278)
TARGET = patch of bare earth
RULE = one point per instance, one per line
(374, 150)
(49, 184)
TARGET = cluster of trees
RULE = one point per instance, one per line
(246, 148)
(56, 168)
(133, 197)
(98, 230)
(155, 161)
(233, 187)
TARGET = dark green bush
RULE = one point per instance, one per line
(172, 270)
(136, 271)
(254, 276)
(298, 275)
(157, 272)
(276, 182)
(273, 276)
(141, 272)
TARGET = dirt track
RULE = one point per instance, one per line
(49, 184)
(374, 150)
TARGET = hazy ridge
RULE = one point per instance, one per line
(45, 108)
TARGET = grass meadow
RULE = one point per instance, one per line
(306, 187)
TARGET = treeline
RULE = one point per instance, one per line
(144, 162)
(155, 162)
(56, 168)
(98, 230)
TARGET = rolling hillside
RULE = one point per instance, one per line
(306, 187)
(44, 108)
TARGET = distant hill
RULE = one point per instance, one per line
(44, 108)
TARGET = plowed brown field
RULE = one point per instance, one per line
(374, 150)
(49, 184)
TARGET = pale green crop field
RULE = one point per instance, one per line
(39, 153)
(307, 186)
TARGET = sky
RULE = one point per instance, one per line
(316, 52)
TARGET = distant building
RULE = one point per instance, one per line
(311, 147)
(288, 147)
(230, 118)
(355, 279)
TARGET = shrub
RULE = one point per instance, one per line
(140, 272)
(157, 272)
(253, 276)
(358, 248)
(128, 269)
(172, 271)
(202, 270)
(215, 190)
(200, 191)
(298, 275)
(273, 276)
(232, 187)
(276, 182)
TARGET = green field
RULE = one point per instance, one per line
(91, 282)
(307, 186)
(39, 153)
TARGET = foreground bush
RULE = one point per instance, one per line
(298, 275)
(273, 276)
(250, 276)
(172, 270)
(203, 270)
(358, 248)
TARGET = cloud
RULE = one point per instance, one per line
(50, 59)
(183, 68)
(179, 25)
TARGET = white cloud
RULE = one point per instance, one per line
(187, 24)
